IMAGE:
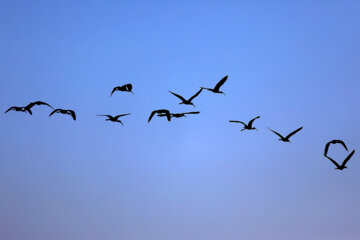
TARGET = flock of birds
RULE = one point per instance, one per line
(166, 113)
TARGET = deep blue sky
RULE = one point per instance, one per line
(295, 64)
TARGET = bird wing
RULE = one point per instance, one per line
(333, 161)
(288, 136)
(234, 121)
(252, 120)
(220, 83)
(276, 133)
(121, 115)
(114, 89)
(30, 105)
(347, 158)
(128, 87)
(177, 95)
(10, 109)
(196, 94)
(343, 144)
(151, 115)
(192, 113)
(109, 116)
(72, 113)
(54, 112)
(326, 148)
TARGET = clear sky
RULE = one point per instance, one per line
(294, 64)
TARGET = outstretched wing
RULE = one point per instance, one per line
(128, 87)
(30, 105)
(109, 116)
(234, 121)
(347, 158)
(196, 94)
(252, 120)
(72, 113)
(343, 144)
(327, 148)
(177, 95)
(333, 161)
(54, 112)
(12, 108)
(288, 136)
(151, 115)
(121, 115)
(220, 83)
(192, 113)
(114, 89)
(276, 133)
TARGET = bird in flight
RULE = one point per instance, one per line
(246, 126)
(19, 109)
(123, 88)
(334, 142)
(216, 89)
(286, 139)
(161, 111)
(189, 101)
(63, 111)
(177, 115)
(115, 118)
(32, 104)
(342, 166)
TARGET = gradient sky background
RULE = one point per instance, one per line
(295, 64)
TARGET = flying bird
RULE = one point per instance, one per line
(286, 139)
(161, 111)
(342, 166)
(216, 89)
(115, 118)
(63, 111)
(177, 115)
(334, 142)
(19, 109)
(123, 88)
(187, 102)
(246, 126)
(32, 104)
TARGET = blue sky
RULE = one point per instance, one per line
(295, 64)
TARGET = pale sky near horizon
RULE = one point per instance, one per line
(294, 64)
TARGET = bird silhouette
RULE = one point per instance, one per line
(334, 142)
(216, 89)
(32, 104)
(177, 115)
(187, 102)
(19, 109)
(246, 126)
(342, 166)
(115, 118)
(64, 111)
(164, 111)
(123, 88)
(286, 139)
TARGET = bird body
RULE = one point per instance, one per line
(64, 111)
(216, 89)
(115, 118)
(188, 101)
(286, 139)
(161, 111)
(246, 126)
(124, 88)
(343, 165)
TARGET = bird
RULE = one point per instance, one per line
(216, 89)
(164, 111)
(19, 109)
(246, 126)
(177, 115)
(187, 102)
(123, 88)
(32, 104)
(115, 118)
(64, 111)
(334, 142)
(286, 139)
(342, 166)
